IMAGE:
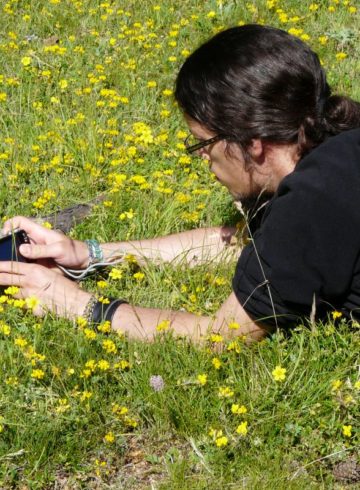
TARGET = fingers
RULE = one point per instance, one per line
(18, 222)
(11, 279)
(37, 233)
(14, 267)
(53, 251)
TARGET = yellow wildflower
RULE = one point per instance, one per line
(216, 362)
(216, 338)
(346, 430)
(109, 346)
(162, 326)
(238, 409)
(26, 61)
(202, 379)
(339, 56)
(115, 273)
(103, 365)
(336, 384)
(221, 441)
(279, 373)
(109, 437)
(12, 290)
(225, 392)
(37, 374)
(242, 428)
(32, 302)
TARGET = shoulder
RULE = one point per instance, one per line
(333, 165)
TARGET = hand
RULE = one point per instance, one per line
(55, 292)
(49, 244)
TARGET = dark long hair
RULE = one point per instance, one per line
(260, 82)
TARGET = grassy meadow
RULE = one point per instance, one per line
(87, 109)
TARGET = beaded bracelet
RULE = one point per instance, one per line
(97, 312)
(89, 308)
(95, 252)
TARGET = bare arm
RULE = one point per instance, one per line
(142, 323)
(192, 247)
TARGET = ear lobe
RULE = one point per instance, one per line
(256, 148)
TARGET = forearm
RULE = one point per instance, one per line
(192, 247)
(144, 323)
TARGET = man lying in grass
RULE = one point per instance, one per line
(260, 111)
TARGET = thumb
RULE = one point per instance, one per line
(40, 251)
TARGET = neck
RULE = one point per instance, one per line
(283, 160)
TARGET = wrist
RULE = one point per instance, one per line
(81, 301)
(82, 252)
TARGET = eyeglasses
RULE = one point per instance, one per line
(193, 144)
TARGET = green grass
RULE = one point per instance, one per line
(78, 141)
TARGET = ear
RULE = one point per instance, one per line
(256, 149)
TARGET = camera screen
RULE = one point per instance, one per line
(9, 248)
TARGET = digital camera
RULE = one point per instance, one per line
(10, 243)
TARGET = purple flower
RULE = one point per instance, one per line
(157, 383)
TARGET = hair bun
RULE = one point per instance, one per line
(340, 114)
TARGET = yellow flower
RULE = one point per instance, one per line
(89, 334)
(313, 7)
(101, 284)
(216, 363)
(63, 84)
(32, 302)
(122, 364)
(357, 385)
(20, 342)
(115, 274)
(11, 290)
(346, 430)
(336, 384)
(279, 373)
(37, 374)
(109, 437)
(26, 61)
(85, 395)
(202, 379)
(139, 276)
(221, 441)
(109, 346)
(242, 429)
(81, 322)
(3, 96)
(339, 56)
(103, 365)
(104, 327)
(238, 409)
(216, 338)
(233, 325)
(5, 329)
(164, 325)
(336, 314)
(225, 392)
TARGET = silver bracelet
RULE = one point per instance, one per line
(95, 252)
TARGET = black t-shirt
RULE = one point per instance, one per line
(307, 247)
